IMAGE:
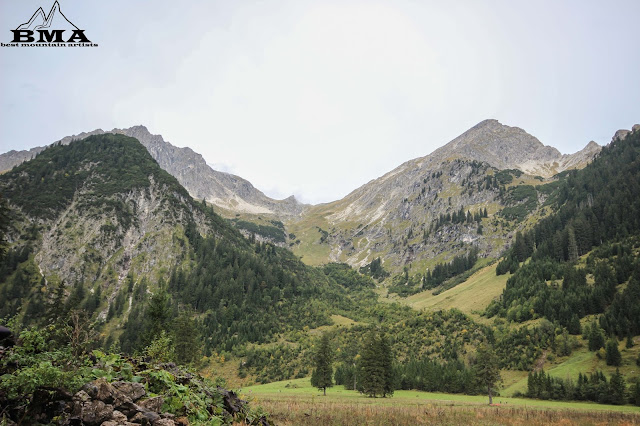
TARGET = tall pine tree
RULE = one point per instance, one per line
(377, 366)
(487, 369)
(322, 376)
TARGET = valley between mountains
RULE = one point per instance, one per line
(494, 263)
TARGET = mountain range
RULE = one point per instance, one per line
(399, 217)
(96, 224)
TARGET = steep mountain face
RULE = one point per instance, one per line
(97, 211)
(222, 189)
(407, 215)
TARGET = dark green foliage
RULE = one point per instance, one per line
(618, 388)
(322, 377)
(622, 318)
(376, 364)
(505, 177)
(458, 217)
(596, 206)
(18, 285)
(273, 233)
(613, 356)
(594, 387)
(248, 296)
(635, 394)
(487, 369)
(375, 269)
(433, 376)
(521, 201)
(534, 292)
(157, 316)
(40, 361)
(520, 348)
(45, 360)
(4, 226)
(102, 164)
(186, 337)
(442, 273)
(347, 277)
(595, 337)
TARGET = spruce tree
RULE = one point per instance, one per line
(613, 356)
(386, 358)
(595, 336)
(156, 316)
(487, 369)
(186, 337)
(372, 380)
(322, 375)
(618, 388)
(377, 366)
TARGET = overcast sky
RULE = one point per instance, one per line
(315, 98)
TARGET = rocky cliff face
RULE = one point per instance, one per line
(222, 189)
(108, 217)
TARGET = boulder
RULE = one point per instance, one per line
(164, 422)
(118, 417)
(104, 391)
(152, 404)
(146, 418)
(130, 409)
(135, 391)
(232, 403)
(92, 412)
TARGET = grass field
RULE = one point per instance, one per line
(296, 402)
(472, 296)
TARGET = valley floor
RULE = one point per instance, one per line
(294, 402)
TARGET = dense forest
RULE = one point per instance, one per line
(597, 208)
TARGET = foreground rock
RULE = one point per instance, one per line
(100, 403)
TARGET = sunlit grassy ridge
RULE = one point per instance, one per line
(470, 297)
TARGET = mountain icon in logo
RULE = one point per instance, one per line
(54, 20)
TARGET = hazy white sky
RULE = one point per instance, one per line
(315, 98)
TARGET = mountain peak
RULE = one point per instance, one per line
(489, 122)
(592, 145)
(499, 145)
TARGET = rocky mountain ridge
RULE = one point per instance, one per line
(397, 216)
(225, 190)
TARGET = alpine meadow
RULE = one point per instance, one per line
(427, 270)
